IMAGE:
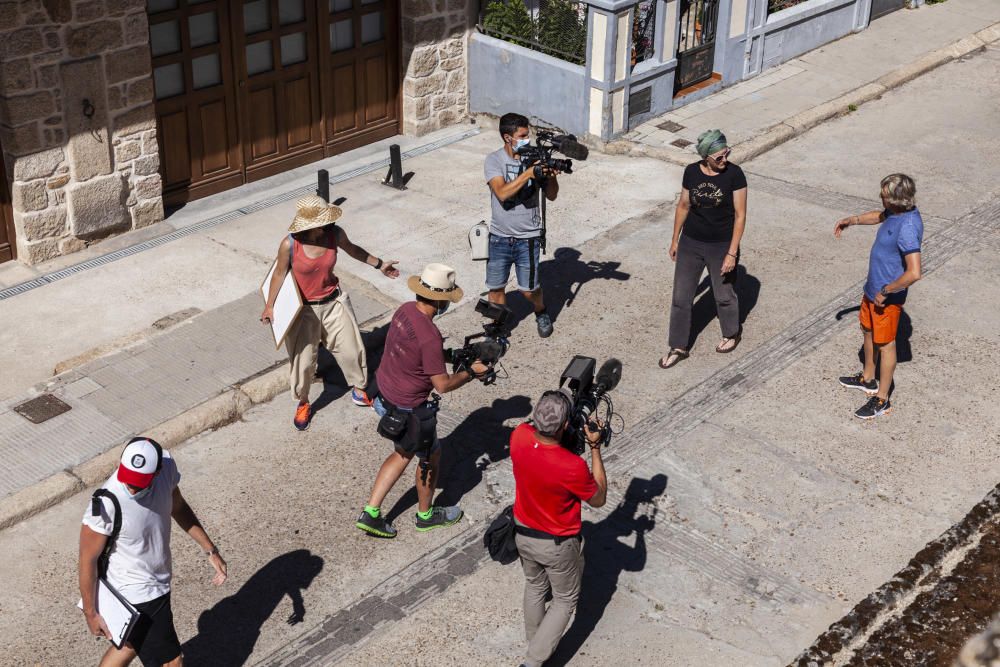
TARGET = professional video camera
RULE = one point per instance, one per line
(590, 399)
(493, 346)
(546, 143)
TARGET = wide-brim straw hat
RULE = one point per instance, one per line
(437, 283)
(313, 212)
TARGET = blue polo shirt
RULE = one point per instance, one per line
(898, 236)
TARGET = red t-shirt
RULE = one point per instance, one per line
(550, 482)
(414, 352)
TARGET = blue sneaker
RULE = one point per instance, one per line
(360, 398)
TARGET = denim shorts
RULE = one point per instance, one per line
(523, 254)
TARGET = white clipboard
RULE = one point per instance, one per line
(118, 613)
(287, 305)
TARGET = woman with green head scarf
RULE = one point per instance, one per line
(708, 226)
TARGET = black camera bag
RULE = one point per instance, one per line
(393, 423)
(499, 537)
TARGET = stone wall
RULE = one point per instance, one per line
(435, 39)
(77, 123)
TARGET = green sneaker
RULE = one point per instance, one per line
(440, 517)
(378, 527)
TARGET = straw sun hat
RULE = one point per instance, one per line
(437, 283)
(313, 212)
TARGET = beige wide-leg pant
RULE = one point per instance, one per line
(334, 324)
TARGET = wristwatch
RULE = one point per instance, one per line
(213, 552)
(883, 292)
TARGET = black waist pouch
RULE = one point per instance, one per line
(393, 423)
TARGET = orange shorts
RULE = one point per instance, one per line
(882, 321)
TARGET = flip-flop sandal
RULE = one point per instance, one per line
(673, 358)
(726, 350)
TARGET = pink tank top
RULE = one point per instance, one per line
(315, 277)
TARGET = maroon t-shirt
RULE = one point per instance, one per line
(550, 481)
(414, 352)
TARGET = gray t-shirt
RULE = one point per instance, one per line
(519, 216)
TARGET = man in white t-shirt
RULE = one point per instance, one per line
(138, 565)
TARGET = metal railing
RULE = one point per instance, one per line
(555, 27)
(643, 30)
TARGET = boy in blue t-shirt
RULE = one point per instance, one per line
(893, 265)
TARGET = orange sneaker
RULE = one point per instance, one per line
(303, 416)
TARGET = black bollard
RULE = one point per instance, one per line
(394, 177)
(323, 185)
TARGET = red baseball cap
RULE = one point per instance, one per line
(140, 461)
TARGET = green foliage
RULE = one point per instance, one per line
(560, 30)
(510, 21)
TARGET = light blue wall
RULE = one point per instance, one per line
(788, 34)
(505, 77)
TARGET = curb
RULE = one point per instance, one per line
(802, 122)
(212, 414)
(922, 568)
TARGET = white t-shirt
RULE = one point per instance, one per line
(139, 566)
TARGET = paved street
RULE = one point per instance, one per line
(749, 510)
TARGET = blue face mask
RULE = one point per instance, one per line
(521, 143)
(139, 495)
(442, 309)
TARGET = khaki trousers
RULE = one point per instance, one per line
(558, 567)
(334, 324)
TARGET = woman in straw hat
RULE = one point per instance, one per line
(310, 252)
(708, 226)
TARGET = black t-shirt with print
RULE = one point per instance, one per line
(712, 214)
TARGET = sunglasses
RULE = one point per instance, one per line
(721, 156)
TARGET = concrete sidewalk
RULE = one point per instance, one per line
(108, 359)
(784, 101)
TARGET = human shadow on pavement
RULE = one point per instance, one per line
(562, 278)
(479, 441)
(228, 632)
(606, 557)
(327, 370)
(704, 311)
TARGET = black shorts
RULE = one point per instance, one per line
(153, 636)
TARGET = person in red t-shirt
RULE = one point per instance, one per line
(550, 481)
(413, 366)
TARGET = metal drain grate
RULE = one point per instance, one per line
(42, 409)
(50, 278)
(670, 126)
(681, 143)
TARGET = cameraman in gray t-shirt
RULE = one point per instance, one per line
(516, 223)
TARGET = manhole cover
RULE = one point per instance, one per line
(670, 126)
(681, 143)
(42, 409)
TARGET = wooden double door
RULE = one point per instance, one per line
(248, 88)
(8, 249)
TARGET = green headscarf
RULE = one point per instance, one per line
(710, 142)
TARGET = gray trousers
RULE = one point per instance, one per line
(558, 567)
(692, 258)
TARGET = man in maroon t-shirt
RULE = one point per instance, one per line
(412, 366)
(550, 481)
